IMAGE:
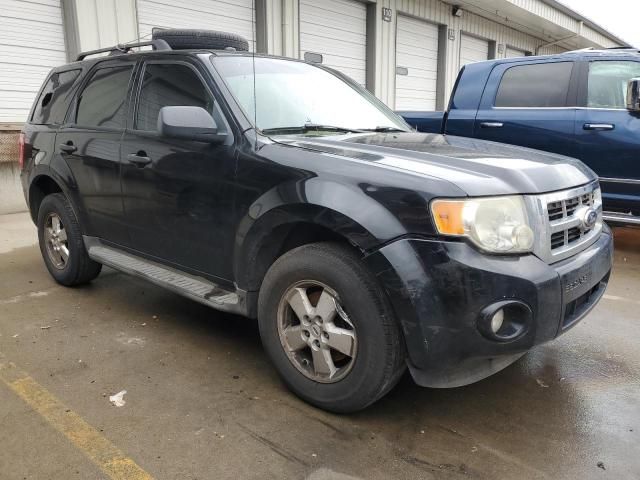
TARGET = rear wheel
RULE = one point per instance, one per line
(327, 326)
(61, 243)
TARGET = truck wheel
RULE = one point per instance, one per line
(328, 328)
(61, 243)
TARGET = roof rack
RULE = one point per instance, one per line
(121, 48)
(593, 49)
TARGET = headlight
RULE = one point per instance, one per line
(498, 224)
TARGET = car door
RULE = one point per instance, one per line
(530, 104)
(89, 143)
(178, 194)
(608, 134)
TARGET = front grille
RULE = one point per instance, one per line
(561, 228)
(563, 213)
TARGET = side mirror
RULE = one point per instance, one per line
(189, 123)
(633, 95)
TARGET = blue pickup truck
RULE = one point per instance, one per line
(584, 104)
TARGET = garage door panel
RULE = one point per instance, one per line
(473, 49)
(29, 32)
(416, 54)
(417, 51)
(234, 17)
(32, 42)
(313, 14)
(329, 34)
(514, 52)
(336, 29)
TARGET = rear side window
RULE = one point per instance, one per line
(51, 106)
(608, 83)
(103, 100)
(535, 86)
(166, 85)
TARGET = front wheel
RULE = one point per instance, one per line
(61, 243)
(328, 328)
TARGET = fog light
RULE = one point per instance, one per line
(497, 320)
(505, 321)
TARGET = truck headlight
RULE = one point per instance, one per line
(495, 224)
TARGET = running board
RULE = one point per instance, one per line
(191, 286)
(620, 218)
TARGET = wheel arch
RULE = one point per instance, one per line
(41, 186)
(287, 227)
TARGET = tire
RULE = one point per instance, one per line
(208, 39)
(368, 365)
(77, 268)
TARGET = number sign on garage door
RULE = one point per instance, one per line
(32, 43)
(473, 49)
(416, 64)
(234, 17)
(336, 29)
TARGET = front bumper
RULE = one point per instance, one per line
(438, 290)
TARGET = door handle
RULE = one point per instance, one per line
(598, 126)
(139, 159)
(491, 124)
(68, 147)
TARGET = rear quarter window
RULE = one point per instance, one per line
(540, 85)
(51, 105)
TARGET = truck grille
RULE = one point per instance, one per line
(563, 228)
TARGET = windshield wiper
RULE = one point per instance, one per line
(309, 127)
(383, 129)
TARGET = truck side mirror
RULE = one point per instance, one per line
(633, 95)
(189, 123)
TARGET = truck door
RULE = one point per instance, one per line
(530, 104)
(608, 134)
(90, 145)
(178, 193)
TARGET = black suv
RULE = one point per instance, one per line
(284, 191)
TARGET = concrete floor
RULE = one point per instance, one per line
(203, 402)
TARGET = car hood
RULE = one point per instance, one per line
(477, 167)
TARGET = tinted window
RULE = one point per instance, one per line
(539, 85)
(608, 83)
(103, 101)
(169, 85)
(51, 106)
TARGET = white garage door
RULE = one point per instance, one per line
(336, 29)
(231, 16)
(514, 52)
(31, 43)
(416, 64)
(473, 49)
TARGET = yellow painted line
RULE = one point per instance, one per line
(111, 460)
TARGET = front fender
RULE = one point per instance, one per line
(346, 210)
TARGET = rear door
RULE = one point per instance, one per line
(608, 134)
(530, 104)
(90, 145)
(178, 194)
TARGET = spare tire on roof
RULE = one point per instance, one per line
(184, 39)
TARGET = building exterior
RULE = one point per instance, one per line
(408, 52)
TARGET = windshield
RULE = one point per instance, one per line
(295, 97)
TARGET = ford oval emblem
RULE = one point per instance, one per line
(589, 219)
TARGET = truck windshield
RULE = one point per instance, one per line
(298, 98)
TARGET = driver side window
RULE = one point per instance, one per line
(607, 87)
(171, 84)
